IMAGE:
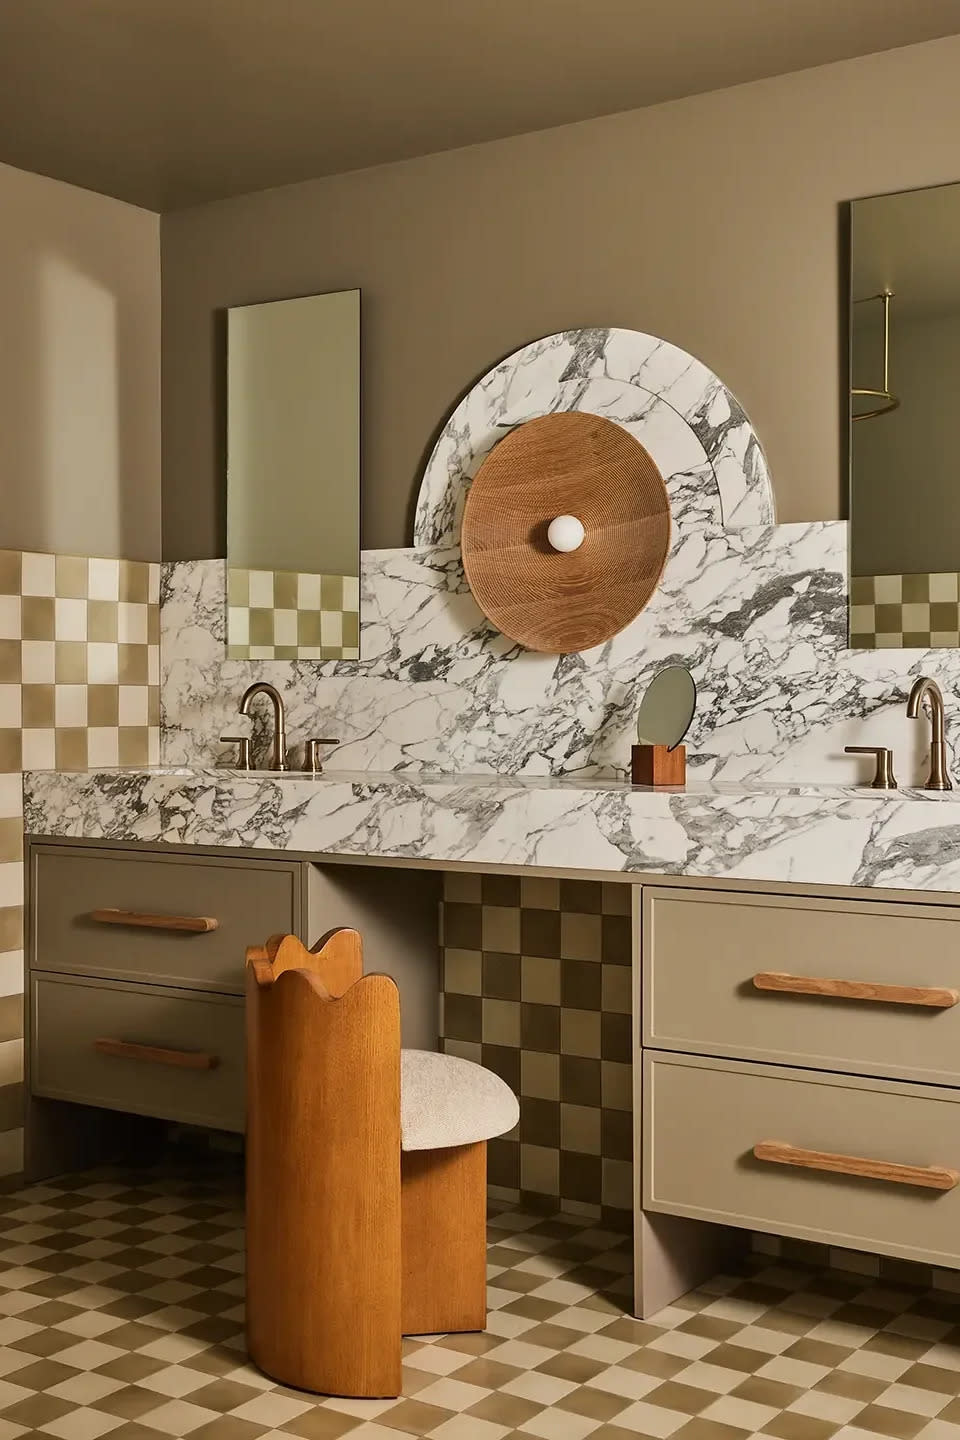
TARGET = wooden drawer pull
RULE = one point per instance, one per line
(197, 923)
(156, 1055)
(928, 1177)
(931, 996)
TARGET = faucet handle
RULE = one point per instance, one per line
(884, 779)
(242, 743)
(312, 750)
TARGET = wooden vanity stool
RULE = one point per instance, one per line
(366, 1173)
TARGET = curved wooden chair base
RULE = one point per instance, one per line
(443, 1240)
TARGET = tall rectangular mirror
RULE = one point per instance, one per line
(293, 479)
(904, 384)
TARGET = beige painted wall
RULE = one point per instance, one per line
(79, 371)
(712, 221)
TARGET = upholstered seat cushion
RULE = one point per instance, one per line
(448, 1101)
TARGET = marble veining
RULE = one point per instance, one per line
(458, 746)
(758, 614)
(757, 611)
(694, 428)
(836, 836)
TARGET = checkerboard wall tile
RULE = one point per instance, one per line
(537, 986)
(79, 686)
(285, 615)
(905, 611)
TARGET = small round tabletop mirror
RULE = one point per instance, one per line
(667, 707)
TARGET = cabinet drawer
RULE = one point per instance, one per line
(247, 899)
(74, 1022)
(703, 950)
(702, 1119)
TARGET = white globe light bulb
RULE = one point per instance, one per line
(565, 533)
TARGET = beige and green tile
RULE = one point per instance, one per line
(537, 980)
(916, 611)
(279, 615)
(72, 576)
(9, 572)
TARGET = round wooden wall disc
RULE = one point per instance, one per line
(569, 463)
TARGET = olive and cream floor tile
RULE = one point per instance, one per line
(121, 1314)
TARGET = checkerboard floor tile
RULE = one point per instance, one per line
(121, 1313)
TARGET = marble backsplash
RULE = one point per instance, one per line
(758, 614)
(757, 611)
(691, 424)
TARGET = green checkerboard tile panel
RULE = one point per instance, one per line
(285, 615)
(920, 612)
(537, 987)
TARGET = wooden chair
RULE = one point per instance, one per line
(366, 1173)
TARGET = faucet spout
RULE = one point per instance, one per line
(260, 687)
(939, 778)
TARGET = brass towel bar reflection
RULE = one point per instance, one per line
(927, 1177)
(199, 924)
(933, 997)
(880, 398)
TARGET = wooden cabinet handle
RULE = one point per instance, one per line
(928, 1177)
(934, 997)
(156, 1055)
(200, 924)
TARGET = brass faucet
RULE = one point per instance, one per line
(938, 779)
(279, 758)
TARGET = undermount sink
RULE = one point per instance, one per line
(148, 769)
(829, 790)
(695, 788)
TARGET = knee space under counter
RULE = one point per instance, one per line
(396, 910)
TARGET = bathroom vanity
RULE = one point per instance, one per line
(822, 1106)
(727, 1008)
(800, 1065)
(135, 970)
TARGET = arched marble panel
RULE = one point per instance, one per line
(694, 428)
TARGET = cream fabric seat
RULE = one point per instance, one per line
(447, 1101)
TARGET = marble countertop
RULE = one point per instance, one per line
(798, 833)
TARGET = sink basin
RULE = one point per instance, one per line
(696, 788)
(147, 770)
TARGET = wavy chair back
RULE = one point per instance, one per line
(323, 1167)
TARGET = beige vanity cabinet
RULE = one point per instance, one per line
(801, 1066)
(135, 976)
(796, 1063)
